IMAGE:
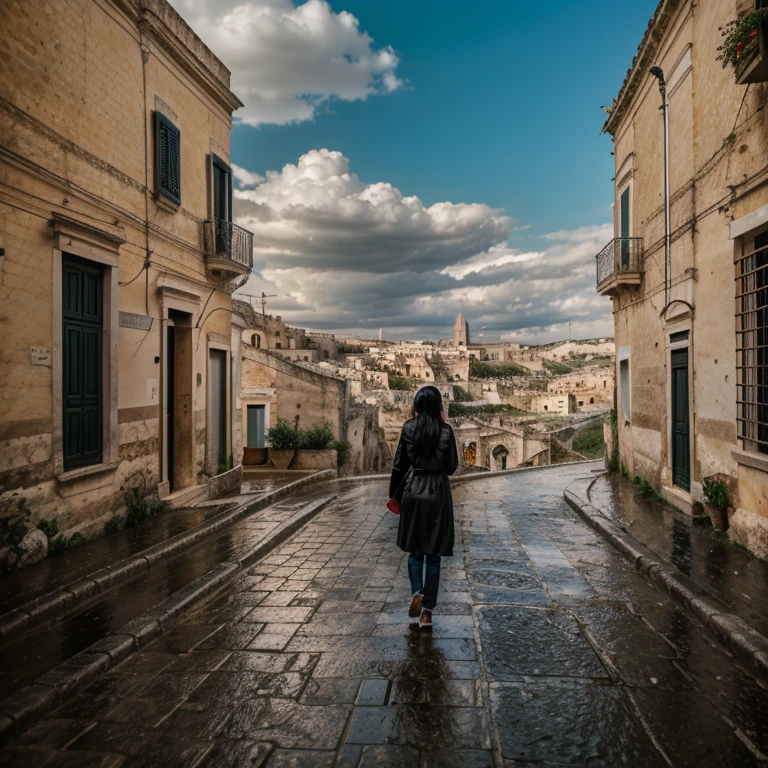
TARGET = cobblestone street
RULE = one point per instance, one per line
(547, 649)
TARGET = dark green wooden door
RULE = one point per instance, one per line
(681, 446)
(82, 362)
(624, 227)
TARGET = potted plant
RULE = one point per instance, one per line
(744, 47)
(316, 449)
(283, 441)
(716, 501)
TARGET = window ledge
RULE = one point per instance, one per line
(166, 203)
(754, 460)
(94, 469)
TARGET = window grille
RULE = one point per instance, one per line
(752, 346)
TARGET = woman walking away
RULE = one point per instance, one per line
(426, 455)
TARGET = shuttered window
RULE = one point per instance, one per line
(167, 158)
(83, 320)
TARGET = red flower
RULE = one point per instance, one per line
(739, 49)
(753, 33)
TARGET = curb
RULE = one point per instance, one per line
(63, 599)
(25, 707)
(748, 645)
(474, 475)
(518, 470)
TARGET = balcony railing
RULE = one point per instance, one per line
(620, 263)
(227, 242)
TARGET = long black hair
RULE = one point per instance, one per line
(427, 409)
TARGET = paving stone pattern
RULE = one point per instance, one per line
(547, 649)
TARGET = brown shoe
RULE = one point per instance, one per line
(425, 621)
(415, 608)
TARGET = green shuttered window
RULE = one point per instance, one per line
(83, 322)
(167, 158)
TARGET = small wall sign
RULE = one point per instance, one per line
(139, 322)
(39, 356)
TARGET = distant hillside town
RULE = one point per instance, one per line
(510, 404)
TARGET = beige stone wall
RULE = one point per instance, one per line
(565, 403)
(718, 158)
(590, 386)
(80, 85)
(290, 390)
(314, 397)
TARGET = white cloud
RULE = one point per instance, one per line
(317, 213)
(497, 256)
(287, 62)
(245, 178)
(347, 256)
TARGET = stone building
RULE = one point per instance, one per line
(589, 385)
(264, 331)
(272, 387)
(691, 332)
(118, 257)
(562, 404)
(495, 353)
(482, 444)
(282, 383)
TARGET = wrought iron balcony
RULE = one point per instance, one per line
(619, 264)
(228, 248)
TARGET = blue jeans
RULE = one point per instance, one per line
(426, 584)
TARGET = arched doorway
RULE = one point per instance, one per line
(500, 456)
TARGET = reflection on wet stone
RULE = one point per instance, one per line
(681, 546)
(570, 724)
(532, 641)
(308, 659)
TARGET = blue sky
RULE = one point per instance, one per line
(504, 106)
(495, 105)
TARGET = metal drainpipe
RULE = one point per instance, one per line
(667, 217)
(658, 73)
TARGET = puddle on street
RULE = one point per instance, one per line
(735, 576)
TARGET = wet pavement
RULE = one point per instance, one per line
(26, 657)
(548, 649)
(27, 584)
(724, 569)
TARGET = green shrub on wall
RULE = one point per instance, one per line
(461, 395)
(456, 409)
(478, 370)
(317, 438)
(716, 493)
(342, 448)
(403, 383)
(285, 436)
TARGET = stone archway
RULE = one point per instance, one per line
(500, 457)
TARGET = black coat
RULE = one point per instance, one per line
(426, 504)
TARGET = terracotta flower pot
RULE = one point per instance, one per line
(254, 456)
(718, 517)
(281, 459)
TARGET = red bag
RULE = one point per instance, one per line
(393, 505)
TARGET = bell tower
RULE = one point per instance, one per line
(460, 331)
